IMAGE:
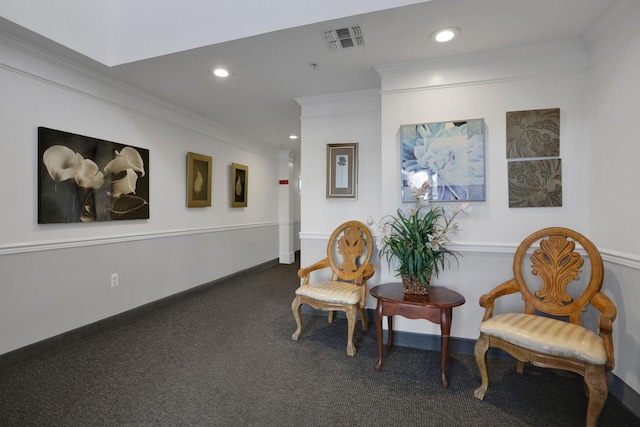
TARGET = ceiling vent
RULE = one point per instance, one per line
(343, 38)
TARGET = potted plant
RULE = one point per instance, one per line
(417, 240)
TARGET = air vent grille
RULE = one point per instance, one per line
(343, 38)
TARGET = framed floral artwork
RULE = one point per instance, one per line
(448, 155)
(199, 172)
(342, 171)
(84, 179)
(239, 185)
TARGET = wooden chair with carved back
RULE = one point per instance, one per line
(541, 335)
(348, 254)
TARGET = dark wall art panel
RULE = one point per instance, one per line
(533, 133)
(535, 183)
(84, 179)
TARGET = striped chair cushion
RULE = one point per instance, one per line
(547, 336)
(329, 291)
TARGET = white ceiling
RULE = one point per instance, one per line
(270, 51)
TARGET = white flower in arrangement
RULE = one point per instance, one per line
(464, 208)
(381, 232)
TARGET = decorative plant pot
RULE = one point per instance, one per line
(414, 286)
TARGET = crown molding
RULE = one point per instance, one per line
(503, 65)
(21, 57)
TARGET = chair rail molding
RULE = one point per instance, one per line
(608, 256)
(76, 243)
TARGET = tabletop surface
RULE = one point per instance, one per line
(438, 296)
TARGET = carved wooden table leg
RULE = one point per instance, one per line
(389, 332)
(445, 329)
(379, 334)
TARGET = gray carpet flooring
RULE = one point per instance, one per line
(224, 357)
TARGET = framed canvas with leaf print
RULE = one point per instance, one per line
(239, 185)
(199, 171)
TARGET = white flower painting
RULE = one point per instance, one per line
(449, 156)
(83, 179)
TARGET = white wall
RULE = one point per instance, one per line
(477, 86)
(613, 103)
(345, 118)
(289, 205)
(56, 277)
(484, 86)
(613, 143)
(408, 96)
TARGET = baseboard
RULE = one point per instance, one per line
(51, 344)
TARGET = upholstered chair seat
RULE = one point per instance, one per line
(332, 291)
(547, 336)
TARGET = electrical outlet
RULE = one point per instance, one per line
(114, 280)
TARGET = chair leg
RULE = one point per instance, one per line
(295, 307)
(330, 316)
(520, 367)
(363, 319)
(352, 315)
(480, 352)
(595, 379)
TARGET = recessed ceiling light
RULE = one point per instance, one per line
(444, 35)
(220, 72)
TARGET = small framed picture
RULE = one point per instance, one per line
(199, 171)
(239, 185)
(342, 171)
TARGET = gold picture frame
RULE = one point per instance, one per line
(199, 172)
(342, 171)
(239, 185)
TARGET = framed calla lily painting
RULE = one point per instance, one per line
(85, 179)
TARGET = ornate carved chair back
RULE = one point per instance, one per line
(558, 264)
(349, 250)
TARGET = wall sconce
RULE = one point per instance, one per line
(299, 184)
